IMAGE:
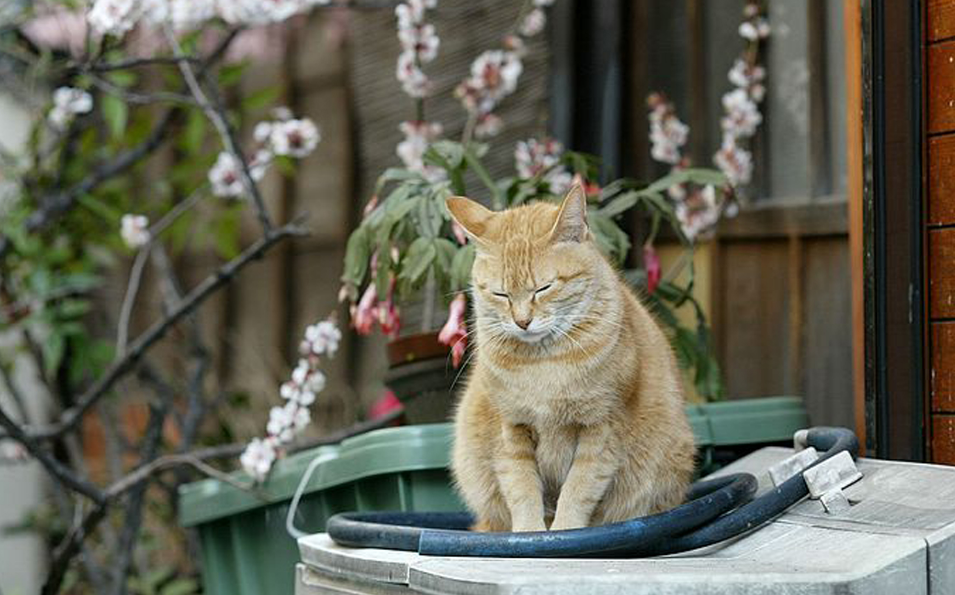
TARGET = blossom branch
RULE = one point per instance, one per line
(190, 302)
(216, 117)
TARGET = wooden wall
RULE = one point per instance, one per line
(940, 225)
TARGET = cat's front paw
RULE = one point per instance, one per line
(528, 525)
(562, 523)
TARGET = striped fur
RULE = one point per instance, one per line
(578, 419)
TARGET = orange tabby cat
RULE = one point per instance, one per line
(573, 414)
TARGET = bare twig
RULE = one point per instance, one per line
(58, 470)
(132, 290)
(130, 63)
(155, 332)
(69, 547)
(137, 98)
(215, 115)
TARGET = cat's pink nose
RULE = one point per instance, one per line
(523, 323)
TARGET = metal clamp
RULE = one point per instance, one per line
(827, 480)
(792, 466)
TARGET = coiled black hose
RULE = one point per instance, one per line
(715, 512)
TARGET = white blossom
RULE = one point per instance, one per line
(421, 40)
(258, 457)
(113, 17)
(68, 102)
(735, 162)
(668, 134)
(322, 338)
(699, 212)
(418, 137)
(280, 421)
(299, 392)
(534, 158)
(134, 229)
(413, 80)
(488, 125)
(295, 138)
(226, 176)
(742, 115)
(533, 23)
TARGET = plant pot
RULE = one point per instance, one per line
(422, 377)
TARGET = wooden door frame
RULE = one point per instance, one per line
(892, 238)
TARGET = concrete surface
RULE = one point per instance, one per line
(896, 538)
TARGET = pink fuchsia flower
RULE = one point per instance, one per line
(385, 405)
(363, 314)
(651, 262)
(590, 188)
(454, 333)
(388, 315)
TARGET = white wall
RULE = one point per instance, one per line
(22, 557)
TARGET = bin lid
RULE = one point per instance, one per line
(390, 450)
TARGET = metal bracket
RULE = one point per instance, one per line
(827, 480)
(792, 466)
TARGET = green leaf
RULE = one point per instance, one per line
(474, 162)
(357, 253)
(417, 260)
(194, 132)
(180, 586)
(107, 212)
(261, 99)
(115, 113)
(461, 267)
(231, 74)
(620, 204)
(445, 251)
(122, 78)
(445, 153)
(53, 349)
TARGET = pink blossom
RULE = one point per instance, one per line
(363, 314)
(454, 333)
(370, 207)
(651, 261)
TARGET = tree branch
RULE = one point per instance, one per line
(142, 343)
(215, 115)
(58, 470)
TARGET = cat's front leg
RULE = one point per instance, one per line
(520, 479)
(593, 467)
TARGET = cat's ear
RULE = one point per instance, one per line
(571, 223)
(470, 215)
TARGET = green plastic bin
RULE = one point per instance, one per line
(247, 551)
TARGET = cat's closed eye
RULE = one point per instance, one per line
(543, 288)
(500, 294)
